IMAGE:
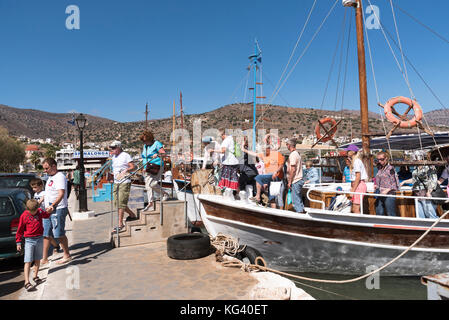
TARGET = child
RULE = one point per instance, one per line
(38, 189)
(31, 227)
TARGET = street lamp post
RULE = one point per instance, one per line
(81, 123)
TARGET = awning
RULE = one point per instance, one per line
(407, 142)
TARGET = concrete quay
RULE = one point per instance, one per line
(144, 272)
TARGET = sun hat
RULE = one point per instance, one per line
(115, 144)
(352, 147)
(207, 140)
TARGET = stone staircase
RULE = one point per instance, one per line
(148, 228)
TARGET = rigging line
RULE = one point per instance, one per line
(271, 82)
(333, 59)
(400, 46)
(419, 74)
(239, 85)
(246, 86)
(296, 46)
(339, 68)
(346, 68)
(422, 24)
(392, 51)
(305, 50)
(382, 116)
(428, 87)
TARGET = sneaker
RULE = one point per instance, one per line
(148, 207)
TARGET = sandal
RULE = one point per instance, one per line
(37, 280)
(28, 287)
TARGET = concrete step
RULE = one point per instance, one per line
(148, 228)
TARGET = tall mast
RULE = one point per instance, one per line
(362, 79)
(146, 116)
(182, 116)
(362, 76)
(174, 120)
(255, 59)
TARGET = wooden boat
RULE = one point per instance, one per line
(329, 241)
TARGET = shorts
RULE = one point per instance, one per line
(55, 226)
(47, 228)
(358, 198)
(34, 249)
(123, 194)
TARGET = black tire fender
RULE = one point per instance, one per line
(188, 246)
(251, 254)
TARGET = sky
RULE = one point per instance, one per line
(128, 53)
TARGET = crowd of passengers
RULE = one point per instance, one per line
(252, 173)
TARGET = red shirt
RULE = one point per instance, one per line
(31, 226)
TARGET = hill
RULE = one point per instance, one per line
(39, 124)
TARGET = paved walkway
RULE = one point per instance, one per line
(98, 271)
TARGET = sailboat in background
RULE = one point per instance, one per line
(323, 240)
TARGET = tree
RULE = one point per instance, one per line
(13, 152)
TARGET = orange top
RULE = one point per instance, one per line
(272, 162)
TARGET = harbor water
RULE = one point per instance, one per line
(373, 288)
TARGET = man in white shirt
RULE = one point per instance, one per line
(122, 165)
(56, 204)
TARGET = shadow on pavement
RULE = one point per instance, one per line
(85, 252)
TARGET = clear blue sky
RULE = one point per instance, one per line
(129, 52)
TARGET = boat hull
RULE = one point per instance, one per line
(313, 243)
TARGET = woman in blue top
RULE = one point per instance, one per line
(347, 171)
(153, 165)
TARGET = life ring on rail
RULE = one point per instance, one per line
(405, 124)
(275, 141)
(331, 133)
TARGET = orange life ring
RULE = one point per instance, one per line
(275, 138)
(403, 123)
(331, 133)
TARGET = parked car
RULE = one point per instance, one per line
(17, 180)
(12, 205)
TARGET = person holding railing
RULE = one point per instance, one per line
(122, 166)
(425, 181)
(153, 165)
(386, 182)
(358, 178)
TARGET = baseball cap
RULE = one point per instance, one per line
(207, 140)
(352, 147)
(115, 144)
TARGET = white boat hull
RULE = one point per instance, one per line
(299, 252)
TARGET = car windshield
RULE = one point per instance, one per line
(14, 182)
(6, 207)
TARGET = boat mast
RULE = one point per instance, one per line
(146, 117)
(254, 60)
(358, 5)
(182, 116)
(174, 121)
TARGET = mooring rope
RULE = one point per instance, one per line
(256, 267)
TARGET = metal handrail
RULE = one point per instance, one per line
(100, 172)
(371, 194)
